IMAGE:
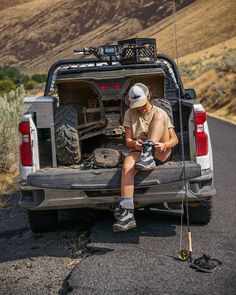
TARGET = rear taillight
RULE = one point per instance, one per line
(25, 147)
(201, 136)
(105, 87)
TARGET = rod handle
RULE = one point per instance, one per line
(190, 241)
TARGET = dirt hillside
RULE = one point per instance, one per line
(212, 72)
(6, 3)
(37, 33)
(206, 45)
(200, 25)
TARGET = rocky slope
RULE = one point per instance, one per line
(36, 33)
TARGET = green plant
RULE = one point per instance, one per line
(10, 72)
(7, 86)
(39, 78)
(11, 78)
(31, 84)
(11, 109)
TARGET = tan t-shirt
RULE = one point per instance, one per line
(140, 124)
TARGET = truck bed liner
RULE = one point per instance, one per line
(93, 179)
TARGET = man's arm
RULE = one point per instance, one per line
(173, 141)
(130, 142)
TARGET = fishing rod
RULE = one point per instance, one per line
(184, 254)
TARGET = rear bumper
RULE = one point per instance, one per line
(36, 198)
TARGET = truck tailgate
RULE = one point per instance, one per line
(77, 178)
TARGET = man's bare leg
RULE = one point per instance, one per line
(127, 175)
(157, 128)
(124, 214)
(158, 132)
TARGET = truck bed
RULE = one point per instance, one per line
(93, 179)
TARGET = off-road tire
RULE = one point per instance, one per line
(42, 221)
(166, 106)
(200, 214)
(66, 135)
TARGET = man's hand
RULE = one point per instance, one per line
(138, 144)
(161, 146)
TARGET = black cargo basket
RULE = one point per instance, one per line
(138, 50)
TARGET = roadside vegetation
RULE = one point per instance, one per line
(11, 78)
(213, 75)
(13, 87)
(11, 109)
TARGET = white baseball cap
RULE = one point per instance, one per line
(138, 94)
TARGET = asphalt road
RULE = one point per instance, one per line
(142, 261)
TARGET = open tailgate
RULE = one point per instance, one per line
(92, 179)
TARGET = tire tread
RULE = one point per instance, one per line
(66, 134)
(201, 214)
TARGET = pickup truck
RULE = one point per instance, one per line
(82, 110)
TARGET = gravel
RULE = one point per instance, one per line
(36, 263)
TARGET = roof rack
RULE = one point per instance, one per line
(130, 51)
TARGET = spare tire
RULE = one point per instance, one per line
(66, 135)
(164, 104)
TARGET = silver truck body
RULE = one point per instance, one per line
(48, 185)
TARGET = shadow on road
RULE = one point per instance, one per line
(18, 242)
(149, 224)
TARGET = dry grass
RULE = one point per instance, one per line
(212, 53)
(11, 110)
(200, 25)
(40, 43)
(8, 183)
(6, 3)
(45, 31)
(212, 72)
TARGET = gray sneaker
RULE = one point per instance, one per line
(117, 212)
(146, 161)
(125, 220)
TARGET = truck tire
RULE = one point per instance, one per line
(164, 104)
(42, 221)
(66, 135)
(200, 214)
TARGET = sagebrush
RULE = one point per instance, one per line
(11, 109)
(214, 78)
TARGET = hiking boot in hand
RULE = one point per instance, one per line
(146, 161)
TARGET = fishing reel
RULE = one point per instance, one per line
(185, 255)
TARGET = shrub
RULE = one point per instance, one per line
(228, 62)
(25, 79)
(185, 70)
(11, 109)
(11, 78)
(7, 86)
(31, 84)
(39, 78)
(196, 62)
(11, 73)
